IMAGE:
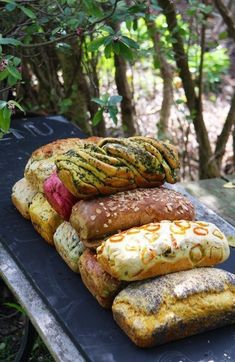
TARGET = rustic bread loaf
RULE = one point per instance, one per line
(96, 218)
(162, 248)
(22, 195)
(42, 161)
(101, 285)
(175, 306)
(68, 245)
(58, 196)
(117, 164)
(44, 218)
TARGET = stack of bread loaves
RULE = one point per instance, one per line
(136, 244)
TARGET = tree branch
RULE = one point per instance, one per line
(227, 17)
(71, 35)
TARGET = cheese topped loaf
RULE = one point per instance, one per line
(175, 306)
(162, 248)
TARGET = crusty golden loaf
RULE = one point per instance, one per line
(101, 285)
(22, 195)
(175, 306)
(44, 219)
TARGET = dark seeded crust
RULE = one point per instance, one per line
(101, 285)
(176, 306)
(103, 216)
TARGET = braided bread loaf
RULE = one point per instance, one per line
(116, 165)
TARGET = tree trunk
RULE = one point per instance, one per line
(227, 17)
(224, 135)
(167, 77)
(75, 86)
(207, 165)
(100, 129)
(123, 88)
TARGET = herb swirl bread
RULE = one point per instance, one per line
(162, 248)
(116, 165)
(41, 164)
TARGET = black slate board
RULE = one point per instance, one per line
(90, 326)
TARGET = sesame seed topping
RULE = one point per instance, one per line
(98, 211)
(106, 226)
(93, 217)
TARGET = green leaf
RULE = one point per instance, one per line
(3, 104)
(223, 35)
(108, 50)
(96, 43)
(135, 24)
(14, 72)
(16, 307)
(99, 101)
(10, 7)
(55, 31)
(129, 42)
(5, 117)
(16, 61)
(97, 117)
(11, 80)
(116, 47)
(126, 52)
(16, 104)
(9, 41)
(129, 24)
(108, 29)
(4, 74)
(28, 12)
(113, 111)
(114, 100)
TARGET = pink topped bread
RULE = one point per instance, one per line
(58, 196)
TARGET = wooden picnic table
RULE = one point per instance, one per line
(40, 307)
(214, 195)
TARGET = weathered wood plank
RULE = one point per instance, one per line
(212, 194)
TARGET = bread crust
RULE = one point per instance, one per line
(97, 218)
(68, 245)
(176, 306)
(44, 219)
(41, 164)
(22, 195)
(162, 248)
(101, 285)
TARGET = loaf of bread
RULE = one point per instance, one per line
(117, 165)
(44, 218)
(162, 248)
(175, 306)
(42, 161)
(102, 216)
(22, 195)
(68, 245)
(58, 196)
(101, 285)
